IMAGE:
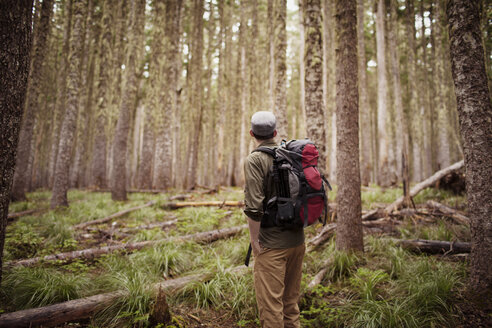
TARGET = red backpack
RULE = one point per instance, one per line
(301, 198)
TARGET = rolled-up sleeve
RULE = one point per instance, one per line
(253, 190)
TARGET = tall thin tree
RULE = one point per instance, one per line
(383, 144)
(101, 112)
(364, 108)
(313, 63)
(22, 176)
(280, 42)
(475, 116)
(61, 179)
(15, 38)
(119, 176)
(349, 226)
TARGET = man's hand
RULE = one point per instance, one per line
(254, 232)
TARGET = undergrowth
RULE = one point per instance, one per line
(385, 286)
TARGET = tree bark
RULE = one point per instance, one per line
(15, 38)
(21, 175)
(280, 45)
(119, 176)
(413, 92)
(443, 123)
(313, 64)
(61, 179)
(196, 100)
(402, 143)
(364, 108)
(475, 116)
(349, 227)
(99, 155)
(384, 178)
(163, 168)
(61, 94)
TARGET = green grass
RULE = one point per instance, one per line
(384, 287)
(24, 288)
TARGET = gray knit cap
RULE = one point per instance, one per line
(263, 123)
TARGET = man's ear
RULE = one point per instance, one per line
(274, 133)
(251, 133)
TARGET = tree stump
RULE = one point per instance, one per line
(160, 313)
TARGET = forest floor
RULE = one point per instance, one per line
(387, 286)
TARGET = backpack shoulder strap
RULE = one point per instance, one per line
(266, 150)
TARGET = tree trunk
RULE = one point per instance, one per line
(402, 143)
(21, 175)
(61, 94)
(61, 179)
(475, 115)
(119, 176)
(313, 63)
(196, 93)
(443, 123)
(413, 94)
(280, 42)
(384, 169)
(349, 227)
(425, 109)
(271, 51)
(364, 108)
(85, 111)
(15, 38)
(163, 163)
(99, 155)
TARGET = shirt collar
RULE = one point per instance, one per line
(267, 143)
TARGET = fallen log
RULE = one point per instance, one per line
(325, 234)
(15, 215)
(424, 184)
(436, 246)
(90, 253)
(453, 214)
(319, 276)
(56, 314)
(176, 205)
(149, 226)
(383, 225)
(112, 216)
(83, 308)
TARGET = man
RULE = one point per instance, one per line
(278, 252)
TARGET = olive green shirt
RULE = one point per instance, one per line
(259, 186)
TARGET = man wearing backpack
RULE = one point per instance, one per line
(278, 252)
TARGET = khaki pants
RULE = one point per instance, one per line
(277, 275)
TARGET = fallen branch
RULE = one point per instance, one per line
(177, 205)
(425, 184)
(436, 246)
(149, 226)
(12, 216)
(383, 225)
(325, 234)
(319, 276)
(90, 253)
(453, 214)
(112, 216)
